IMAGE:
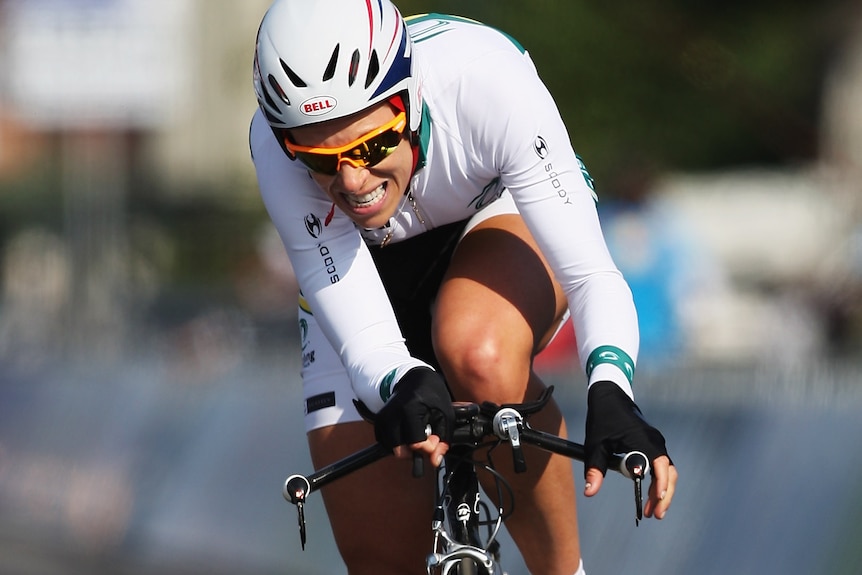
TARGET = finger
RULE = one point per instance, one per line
(661, 488)
(433, 447)
(439, 452)
(427, 446)
(665, 499)
(594, 479)
(401, 451)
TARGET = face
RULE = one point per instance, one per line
(369, 195)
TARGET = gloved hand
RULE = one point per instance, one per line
(420, 398)
(615, 424)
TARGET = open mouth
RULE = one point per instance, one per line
(366, 200)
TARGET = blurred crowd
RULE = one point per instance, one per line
(758, 267)
(740, 266)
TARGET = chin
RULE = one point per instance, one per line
(375, 221)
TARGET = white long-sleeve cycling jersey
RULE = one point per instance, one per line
(489, 127)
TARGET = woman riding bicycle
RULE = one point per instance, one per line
(441, 229)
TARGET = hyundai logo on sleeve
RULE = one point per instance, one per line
(541, 147)
(313, 225)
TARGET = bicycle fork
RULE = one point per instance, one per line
(458, 504)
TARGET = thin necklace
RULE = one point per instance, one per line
(408, 197)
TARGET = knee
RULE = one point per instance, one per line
(487, 366)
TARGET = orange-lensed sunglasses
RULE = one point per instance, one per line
(364, 152)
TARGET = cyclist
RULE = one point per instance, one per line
(441, 229)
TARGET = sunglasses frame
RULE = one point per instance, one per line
(398, 125)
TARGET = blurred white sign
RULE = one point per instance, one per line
(96, 63)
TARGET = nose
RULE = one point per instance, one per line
(352, 177)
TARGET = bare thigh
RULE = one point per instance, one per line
(497, 307)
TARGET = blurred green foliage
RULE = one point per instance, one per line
(669, 85)
(674, 84)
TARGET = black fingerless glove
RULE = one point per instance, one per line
(420, 398)
(615, 424)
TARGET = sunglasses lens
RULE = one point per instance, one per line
(363, 155)
(321, 163)
(383, 146)
(375, 150)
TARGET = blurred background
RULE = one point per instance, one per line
(149, 390)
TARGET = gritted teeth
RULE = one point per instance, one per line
(368, 199)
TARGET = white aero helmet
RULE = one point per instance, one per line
(324, 59)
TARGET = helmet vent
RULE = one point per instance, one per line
(330, 68)
(278, 90)
(270, 118)
(354, 68)
(373, 69)
(296, 80)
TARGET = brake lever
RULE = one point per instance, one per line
(300, 519)
(506, 424)
(635, 466)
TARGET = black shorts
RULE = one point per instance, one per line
(412, 271)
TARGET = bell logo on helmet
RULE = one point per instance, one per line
(318, 105)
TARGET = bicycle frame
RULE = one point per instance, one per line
(459, 507)
(458, 545)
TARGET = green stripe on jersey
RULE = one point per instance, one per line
(614, 356)
(386, 385)
(424, 135)
(441, 26)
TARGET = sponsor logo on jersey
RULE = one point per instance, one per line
(557, 184)
(303, 332)
(313, 225)
(490, 194)
(318, 402)
(541, 147)
(307, 354)
(307, 358)
(318, 105)
(328, 263)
